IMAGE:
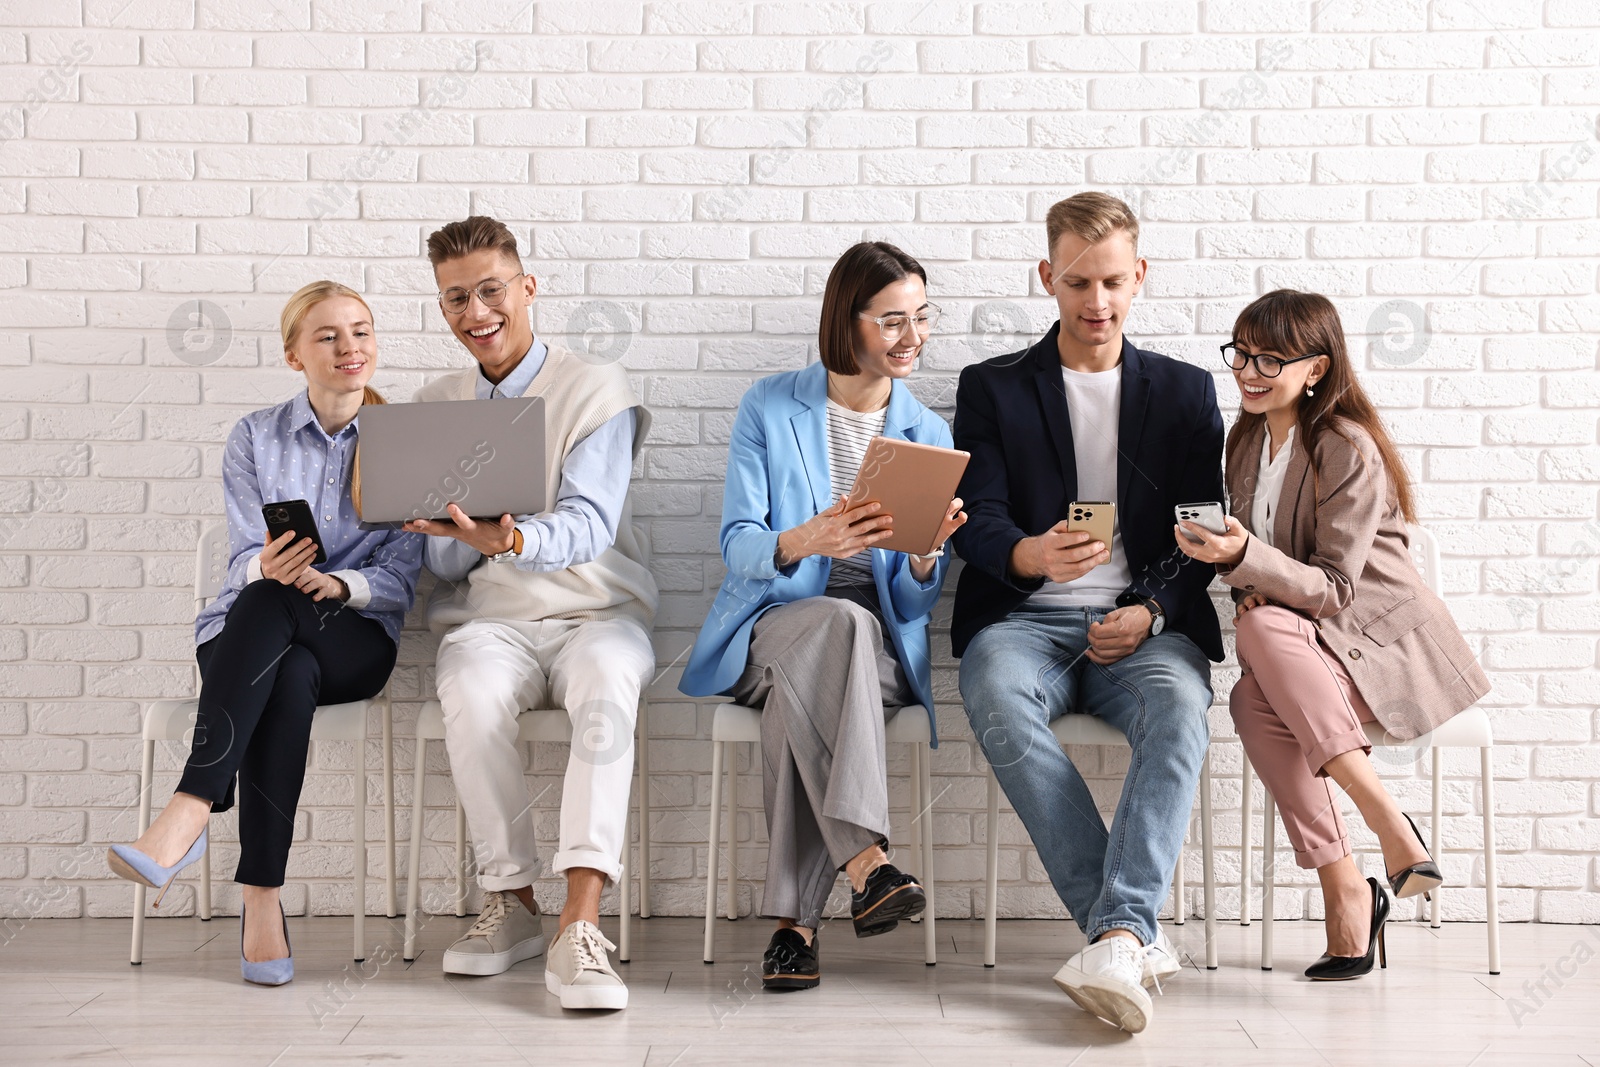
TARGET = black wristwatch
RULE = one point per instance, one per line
(1158, 615)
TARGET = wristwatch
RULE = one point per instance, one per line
(1158, 615)
(511, 553)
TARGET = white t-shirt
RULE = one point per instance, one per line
(1269, 485)
(1094, 401)
(849, 433)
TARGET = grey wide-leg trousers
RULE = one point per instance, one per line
(825, 683)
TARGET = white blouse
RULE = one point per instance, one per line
(1269, 485)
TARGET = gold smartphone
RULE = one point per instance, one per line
(1097, 518)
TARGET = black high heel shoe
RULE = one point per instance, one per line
(1342, 968)
(1422, 877)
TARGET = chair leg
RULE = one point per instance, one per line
(1208, 863)
(991, 872)
(914, 820)
(414, 856)
(1178, 872)
(359, 817)
(624, 901)
(643, 744)
(733, 833)
(1491, 886)
(1269, 872)
(1434, 835)
(930, 943)
(714, 823)
(1246, 802)
(205, 887)
(147, 770)
(391, 903)
(461, 859)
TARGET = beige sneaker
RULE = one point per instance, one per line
(579, 972)
(505, 934)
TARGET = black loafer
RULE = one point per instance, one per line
(790, 963)
(888, 897)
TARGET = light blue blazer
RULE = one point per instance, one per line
(778, 478)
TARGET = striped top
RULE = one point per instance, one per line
(849, 433)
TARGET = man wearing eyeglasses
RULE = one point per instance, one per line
(1050, 619)
(538, 611)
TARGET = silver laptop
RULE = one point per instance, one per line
(485, 456)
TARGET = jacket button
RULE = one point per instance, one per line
(1355, 653)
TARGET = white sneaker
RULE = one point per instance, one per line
(506, 933)
(1105, 980)
(579, 972)
(1161, 961)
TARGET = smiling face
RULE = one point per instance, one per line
(498, 336)
(876, 357)
(335, 346)
(1093, 285)
(1260, 395)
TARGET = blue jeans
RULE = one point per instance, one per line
(1019, 674)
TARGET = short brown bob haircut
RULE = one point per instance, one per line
(1091, 216)
(476, 233)
(863, 272)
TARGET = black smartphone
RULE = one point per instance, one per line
(286, 515)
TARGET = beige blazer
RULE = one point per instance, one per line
(1344, 562)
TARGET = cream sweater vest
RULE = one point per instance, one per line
(579, 397)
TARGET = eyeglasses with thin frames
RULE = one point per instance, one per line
(492, 292)
(1266, 366)
(894, 325)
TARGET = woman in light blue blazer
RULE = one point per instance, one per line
(826, 634)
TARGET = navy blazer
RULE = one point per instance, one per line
(1011, 414)
(778, 477)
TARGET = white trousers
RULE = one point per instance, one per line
(492, 670)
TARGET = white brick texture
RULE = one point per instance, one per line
(684, 173)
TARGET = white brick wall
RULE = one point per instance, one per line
(683, 174)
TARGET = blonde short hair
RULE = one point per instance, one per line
(1091, 216)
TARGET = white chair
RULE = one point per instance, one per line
(173, 720)
(1470, 729)
(734, 723)
(1075, 729)
(538, 725)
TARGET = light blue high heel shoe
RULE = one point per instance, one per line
(128, 862)
(267, 972)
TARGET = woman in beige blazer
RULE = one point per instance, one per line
(1334, 625)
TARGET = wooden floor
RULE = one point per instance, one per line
(68, 994)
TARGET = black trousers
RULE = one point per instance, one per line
(279, 655)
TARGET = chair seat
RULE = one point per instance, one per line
(173, 720)
(1086, 730)
(735, 722)
(1470, 729)
(536, 724)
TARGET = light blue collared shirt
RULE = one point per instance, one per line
(594, 490)
(283, 453)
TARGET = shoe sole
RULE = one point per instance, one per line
(583, 997)
(1417, 886)
(1111, 1003)
(780, 983)
(122, 869)
(904, 903)
(485, 964)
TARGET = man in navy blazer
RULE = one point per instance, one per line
(1049, 620)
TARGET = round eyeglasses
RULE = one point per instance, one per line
(1266, 366)
(492, 292)
(894, 325)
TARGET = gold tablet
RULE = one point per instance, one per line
(915, 483)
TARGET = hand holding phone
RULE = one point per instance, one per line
(1208, 514)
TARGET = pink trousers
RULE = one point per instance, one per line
(1296, 708)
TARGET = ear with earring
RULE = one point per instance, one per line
(1310, 391)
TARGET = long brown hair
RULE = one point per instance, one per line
(293, 318)
(1293, 323)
